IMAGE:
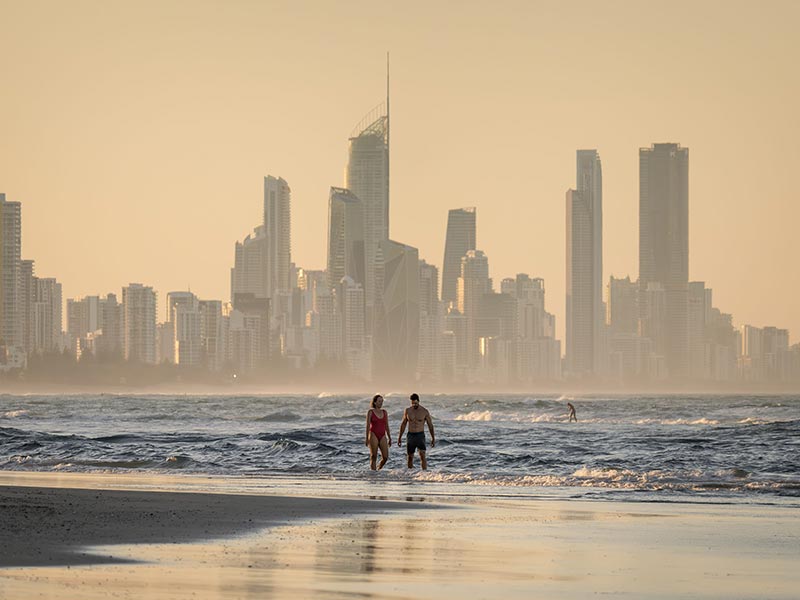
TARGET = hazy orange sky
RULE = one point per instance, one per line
(136, 135)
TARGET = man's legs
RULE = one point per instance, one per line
(410, 461)
(423, 460)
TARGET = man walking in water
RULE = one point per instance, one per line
(572, 416)
(415, 417)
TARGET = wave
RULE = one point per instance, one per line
(177, 461)
(497, 416)
(621, 479)
(280, 417)
(476, 415)
(700, 421)
(14, 414)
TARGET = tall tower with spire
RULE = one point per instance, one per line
(367, 176)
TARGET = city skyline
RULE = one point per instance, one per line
(722, 242)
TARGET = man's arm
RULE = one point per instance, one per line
(429, 421)
(402, 429)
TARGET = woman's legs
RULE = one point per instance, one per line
(373, 451)
(384, 446)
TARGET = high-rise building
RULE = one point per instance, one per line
(355, 349)
(698, 318)
(367, 176)
(345, 237)
(139, 323)
(622, 306)
(94, 325)
(324, 320)
(497, 316)
(111, 342)
(461, 237)
(183, 312)
(255, 317)
(212, 334)
(652, 327)
(473, 283)
(628, 352)
(277, 228)
(664, 244)
(533, 321)
(455, 337)
(47, 317)
(248, 275)
(585, 315)
(26, 298)
(430, 331)
(396, 328)
(11, 333)
(83, 316)
(536, 355)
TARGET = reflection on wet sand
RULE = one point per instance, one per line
(509, 550)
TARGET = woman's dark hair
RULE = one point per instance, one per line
(375, 399)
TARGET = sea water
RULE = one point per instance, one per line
(705, 448)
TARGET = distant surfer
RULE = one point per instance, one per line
(415, 417)
(378, 435)
(572, 416)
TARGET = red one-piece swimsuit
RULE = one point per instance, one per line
(378, 425)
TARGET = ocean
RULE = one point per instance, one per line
(704, 448)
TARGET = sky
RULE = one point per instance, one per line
(137, 135)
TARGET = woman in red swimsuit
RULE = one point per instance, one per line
(378, 435)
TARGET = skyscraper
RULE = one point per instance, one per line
(47, 317)
(355, 350)
(664, 244)
(585, 318)
(429, 322)
(623, 306)
(473, 283)
(396, 333)
(139, 323)
(26, 296)
(367, 176)
(277, 228)
(460, 238)
(212, 334)
(11, 332)
(248, 275)
(183, 313)
(345, 237)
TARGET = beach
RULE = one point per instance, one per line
(134, 536)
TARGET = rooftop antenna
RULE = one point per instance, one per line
(388, 122)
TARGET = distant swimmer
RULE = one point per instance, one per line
(378, 435)
(572, 416)
(416, 416)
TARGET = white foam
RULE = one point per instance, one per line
(15, 413)
(546, 419)
(477, 415)
(701, 421)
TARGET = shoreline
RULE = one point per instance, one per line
(283, 539)
(42, 525)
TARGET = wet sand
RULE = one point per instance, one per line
(343, 548)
